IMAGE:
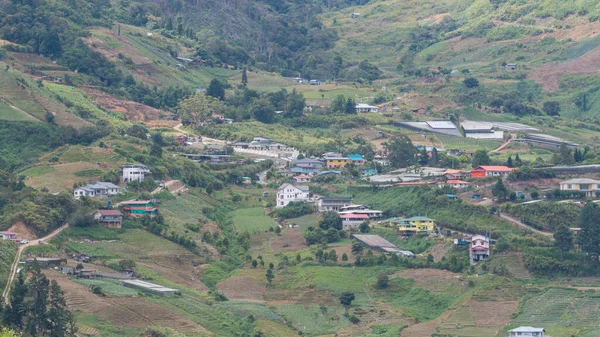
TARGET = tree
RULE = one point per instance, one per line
(552, 108)
(563, 238)
(254, 263)
(402, 151)
(565, 154)
(294, 104)
(244, 77)
(332, 256)
(589, 237)
(382, 281)
(364, 227)
(270, 276)
(357, 248)
(216, 89)
(156, 150)
(8, 333)
(350, 107)
(157, 138)
(17, 310)
(499, 191)
(338, 105)
(198, 109)
(480, 158)
(535, 194)
(346, 298)
(471, 82)
(37, 287)
(518, 161)
(509, 161)
(331, 220)
(59, 316)
(435, 157)
(262, 110)
(344, 257)
(50, 117)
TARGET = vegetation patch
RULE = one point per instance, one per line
(252, 220)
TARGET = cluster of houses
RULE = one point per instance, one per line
(303, 170)
(113, 218)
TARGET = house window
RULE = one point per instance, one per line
(569, 186)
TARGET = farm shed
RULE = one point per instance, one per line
(150, 288)
(47, 262)
(378, 243)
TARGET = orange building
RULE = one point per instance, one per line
(490, 171)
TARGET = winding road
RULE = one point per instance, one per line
(13, 268)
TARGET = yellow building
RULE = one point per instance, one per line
(337, 162)
(417, 224)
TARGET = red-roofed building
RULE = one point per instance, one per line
(352, 220)
(414, 183)
(455, 174)
(111, 218)
(8, 236)
(490, 171)
(454, 183)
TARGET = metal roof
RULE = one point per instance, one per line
(581, 181)
(527, 329)
(441, 125)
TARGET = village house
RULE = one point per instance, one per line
(365, 108)
(480, 248)
(47, 262)
(353, 220)
(139, 208)
(304, 169)
(490, 171)
(459, 184)
(301, 179)
(133, 172)
(526, 331)
(8, 236)
(355, 15)
(455, 174)
(218, 116)
(308, 162)
(325, 204)
(265, 144)
(287, 193)
(337, 162)
(361, 209)
(510, 67)
(99, 189)
(110, 218)
(419, 110)
(416, 224)
(589, 186)
(356, 159)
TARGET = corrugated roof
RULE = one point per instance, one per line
(441, 125)
(355, 157)
(354, 216)
(581, 181)
(494, 168)
(527, 329)
(110, 212)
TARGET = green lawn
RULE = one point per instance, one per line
(314, 319)
(252, 220)
(9, 114)
(37, 171)
(305, 220)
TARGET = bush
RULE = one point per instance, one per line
(293, 210)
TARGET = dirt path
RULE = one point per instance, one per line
(503, 145)
(204, 138)
(13, 268)
(519, 223)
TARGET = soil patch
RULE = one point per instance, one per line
(242, 288)
(495, 313)
(23, 232)
(430, 279)
(307, 297)
(181, 269)
(62, 116)
(288, 241)
(133, 110)
(439, 250)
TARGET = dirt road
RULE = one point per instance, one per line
(519, 223)
(503, 145)
(13, 268)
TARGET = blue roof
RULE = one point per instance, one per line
(356, 157)
(329, 172)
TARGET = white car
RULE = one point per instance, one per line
(23, 242)
(41, 241)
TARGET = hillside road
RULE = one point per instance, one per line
(13, 268)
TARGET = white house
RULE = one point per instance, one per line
(8, 236)
(480, 248)
(589, 186)
(287, 193)
(133, 173)
(365, 108)
(526, 331)
(352, 220)
(454, 183)
(96, 190)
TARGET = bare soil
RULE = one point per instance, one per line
(62, 117)
(133, 110)
(288, 241)
(182, 269)
(495, 313)
(243, 288)
(430, 279)
(439, 250)
(23, 232)
(307, 296)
